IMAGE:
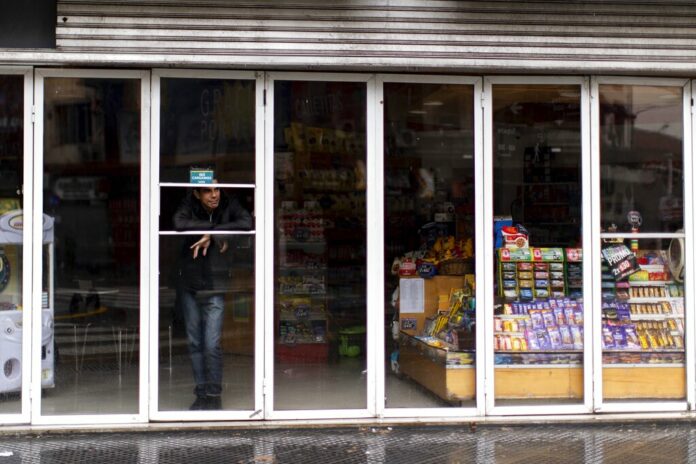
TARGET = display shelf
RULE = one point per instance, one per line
(536, 366)
(302, 293)
(649, 283)
(302, 352)
(286, 242)
(316, 316)
(295, 269)
(641, 366)
(539, 351)
(655, 317)
(641, 351)
(302, 322)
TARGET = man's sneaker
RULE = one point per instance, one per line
(214, 403)
(200, 404)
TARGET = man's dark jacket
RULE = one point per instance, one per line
(209, 272)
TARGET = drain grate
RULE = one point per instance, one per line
(602, 444)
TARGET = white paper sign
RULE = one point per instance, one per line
(411, 295)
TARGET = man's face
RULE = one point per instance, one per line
(209, 197)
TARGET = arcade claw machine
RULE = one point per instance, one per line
(11, 304)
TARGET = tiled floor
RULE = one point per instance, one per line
(97, 388)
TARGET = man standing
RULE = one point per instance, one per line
(203, 280)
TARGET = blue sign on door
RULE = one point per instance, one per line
(201, 176)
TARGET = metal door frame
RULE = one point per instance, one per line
(37, 217)
(643, 406)
(24, 416)
(259, 295)
(374, 299)
(481, 298)
(585, 406)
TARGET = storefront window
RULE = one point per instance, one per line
(91, 253)
(320, 245)
(429, 245)
(13, 366)
(206, 286)
(642, 246)
(207, 122)
(539, 310)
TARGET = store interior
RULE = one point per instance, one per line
(91, 256)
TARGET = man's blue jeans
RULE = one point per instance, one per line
(203, 315)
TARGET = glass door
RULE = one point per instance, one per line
(319, 327)
(538, 171)
(16, 87)
(430, 147)
(643, 222)
(207, 293)
(91, 172)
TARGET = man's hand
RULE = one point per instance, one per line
(201, 245)
(223, 245)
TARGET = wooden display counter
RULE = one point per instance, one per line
(446, 374)
(438, 370)
(644, 382)
(619, 382)
(526, 382)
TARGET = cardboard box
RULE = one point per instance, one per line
(413, 323)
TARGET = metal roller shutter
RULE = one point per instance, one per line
(560, 35)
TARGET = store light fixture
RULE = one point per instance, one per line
(433, 103)
(418, 112)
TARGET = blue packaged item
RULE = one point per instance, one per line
(566, 337)
(537, 319)
(498, 224)
(577, 333)
(623, 312)
(543, 339)
(619, 336)
(532, 342)
(607, 337)
(427, 270)
(549, 320)
(554, 338)
(542, 293)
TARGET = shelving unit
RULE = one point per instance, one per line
(302, 332)
(643, 330)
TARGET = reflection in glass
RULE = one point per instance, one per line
(206, 314)
(207, 123)
(234, 293)
(320, 245)
(641, 157)
(11, 243)
(429, 219)
(642, 185)
(539, 316)
(91, 271)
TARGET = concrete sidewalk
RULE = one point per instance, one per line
(633, 443)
